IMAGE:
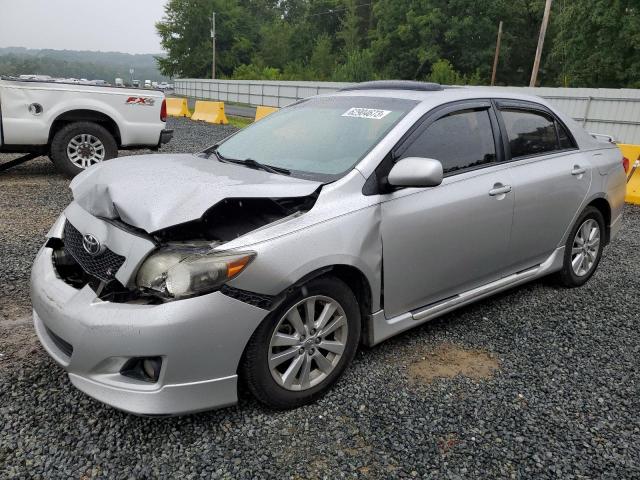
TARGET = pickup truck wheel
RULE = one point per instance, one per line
(79, 145)
(300, 350)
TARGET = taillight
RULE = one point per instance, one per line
(625, 164)
(163, 111)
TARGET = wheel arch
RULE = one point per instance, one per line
(352, 276)
(355, 279)
(603, 206)
(84, 115)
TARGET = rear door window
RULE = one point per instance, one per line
(460, 141)
(533, 133)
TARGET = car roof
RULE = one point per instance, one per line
(430, 99)
(439, 97)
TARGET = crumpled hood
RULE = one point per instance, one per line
(153, 192)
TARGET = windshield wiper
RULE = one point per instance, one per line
(249, 162)
(213, 150)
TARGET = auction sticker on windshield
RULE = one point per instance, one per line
(371, 113)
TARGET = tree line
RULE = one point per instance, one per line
(107, 66)
(590, 43)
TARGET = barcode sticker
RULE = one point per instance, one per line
(371, 113)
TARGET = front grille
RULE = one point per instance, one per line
(103, 266)
(64, 346)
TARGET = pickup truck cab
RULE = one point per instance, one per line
(78, 125)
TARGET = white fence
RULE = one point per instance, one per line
(614, 112)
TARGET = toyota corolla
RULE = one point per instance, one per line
(341, 220)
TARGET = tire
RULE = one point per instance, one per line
(268, 383)
(79, 145)
(589, 221)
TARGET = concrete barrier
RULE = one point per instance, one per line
(632, 153)
(211, 112)
(177, 107)
(263, 111)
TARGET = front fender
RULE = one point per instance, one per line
(353, 240)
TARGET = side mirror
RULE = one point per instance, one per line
(416, 172)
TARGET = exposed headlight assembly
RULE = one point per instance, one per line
(182, 270)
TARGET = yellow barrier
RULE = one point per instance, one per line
(632, 152)
(262, 112)
(211, 112)
(177, 107)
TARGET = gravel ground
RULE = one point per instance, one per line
(548, 386)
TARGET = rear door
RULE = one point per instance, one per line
(440, 241)
(551, 179)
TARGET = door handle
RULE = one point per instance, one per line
(578, 170)
(499, 189)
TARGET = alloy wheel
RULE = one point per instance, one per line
(308, 343)
(586, 246)
(85, 150)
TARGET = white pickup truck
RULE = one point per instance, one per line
(78, 125)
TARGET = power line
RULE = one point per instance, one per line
(337, 10)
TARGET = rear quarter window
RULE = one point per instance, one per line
(564, 138)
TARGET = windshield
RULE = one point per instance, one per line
(319, 138)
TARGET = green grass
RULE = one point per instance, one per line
(239, 122)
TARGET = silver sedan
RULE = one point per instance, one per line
(341, 220)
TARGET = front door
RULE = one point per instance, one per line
(441, 241)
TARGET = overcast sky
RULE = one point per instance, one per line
(105, 25)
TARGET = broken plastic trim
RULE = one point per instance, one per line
(266, 302)
(70, 272)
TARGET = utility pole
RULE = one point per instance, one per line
(495, 59)
(543, 32)
(213, 38)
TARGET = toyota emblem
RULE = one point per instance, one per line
(91, 244)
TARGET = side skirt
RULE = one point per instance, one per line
(382, 328)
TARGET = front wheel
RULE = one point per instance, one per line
(302, 348)
(583, 249)
(79, 145)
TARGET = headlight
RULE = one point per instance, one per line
(183, 270)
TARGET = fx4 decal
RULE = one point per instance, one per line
(140, 101)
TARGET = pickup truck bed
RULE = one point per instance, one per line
(78, 125)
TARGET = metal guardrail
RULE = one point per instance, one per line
(614, 112)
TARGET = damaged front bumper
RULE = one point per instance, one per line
(200, 341)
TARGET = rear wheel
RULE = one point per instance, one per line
(583, 249)
(79, 145)
(303, 347)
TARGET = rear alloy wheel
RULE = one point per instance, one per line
(302, 347)
(80, 145)
(586, 247)
(583, 249)
(85, 150)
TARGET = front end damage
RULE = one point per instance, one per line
(139, 292)
(123, 341)
(185, 244)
